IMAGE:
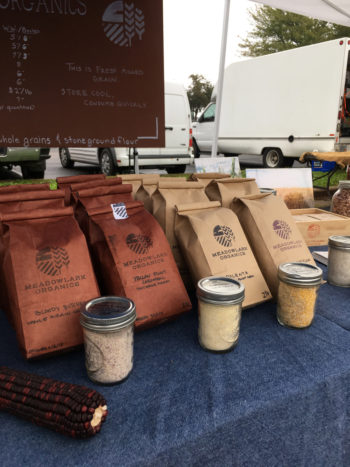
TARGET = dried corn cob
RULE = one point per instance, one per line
(73, 410)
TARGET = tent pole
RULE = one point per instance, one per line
(220, 78)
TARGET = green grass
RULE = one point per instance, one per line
(340, 174)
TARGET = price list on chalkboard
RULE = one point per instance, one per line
(81, 73)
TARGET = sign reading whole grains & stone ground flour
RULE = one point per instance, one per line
(81, 73)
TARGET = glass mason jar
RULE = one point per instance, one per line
(220, 307)
(341, 199)
(339, 260)
(297, 293)
(108, 325)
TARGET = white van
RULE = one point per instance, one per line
(174, 157)
(280, 105)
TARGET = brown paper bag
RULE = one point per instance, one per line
(28, 200)
(213, 244)
(100, 196)
(133, 259)
(20, 187)
(272, 233)
(226, 189)
(207, 177)
(62, 182)
(164, 199)
(135, 180)
(48, 277)
(71, 190)
(146, 190)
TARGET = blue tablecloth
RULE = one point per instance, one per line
(281, 398)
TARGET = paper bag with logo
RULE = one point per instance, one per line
(213, 244)
(132, 258)
(224, 190)
(100, 196)
(48, 276)
(165, 198)
(21, 202)
(146, 190)
(272, 233)
(20, 187)
(207, 177)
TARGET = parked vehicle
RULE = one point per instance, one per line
(31, 160)
(174, 157)
(283, 104)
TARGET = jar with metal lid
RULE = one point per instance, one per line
(339, 260)
(268, 190)
(108, 325)
(297, 293)
(341, 199)
(220, 307)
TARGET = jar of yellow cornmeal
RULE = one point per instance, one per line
(297, 293)
(220, 307)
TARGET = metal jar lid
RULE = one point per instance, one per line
(340, 242)
(344, 184)
(106, 314)
(268, 190)
(300, 274)
(223, 290)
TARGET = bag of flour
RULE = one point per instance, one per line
(224, 190)
(99, 196)
(272, 233)
(48, 277)
(132, 258)
(165, 198)
(213, 244)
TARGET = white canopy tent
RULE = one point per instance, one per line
(333, 11)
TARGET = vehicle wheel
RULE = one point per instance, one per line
(177, 169)
(30, 172)
(196, 150)
(107, 163)
(65, 159)
(273, 158)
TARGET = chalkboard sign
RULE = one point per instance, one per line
(81, 73)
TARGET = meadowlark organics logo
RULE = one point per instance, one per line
(139, 244)
(223, 235)
(51, 260)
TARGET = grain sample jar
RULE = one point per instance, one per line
(220, 307)
(339, 260)
(297, 293)
(108, 325)
(341, 199)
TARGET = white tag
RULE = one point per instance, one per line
(119, 211)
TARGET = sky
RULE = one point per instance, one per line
(192, 37)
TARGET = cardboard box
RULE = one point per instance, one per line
(317, 225)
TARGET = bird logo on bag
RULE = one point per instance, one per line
(51, 260)
(282, 229)
(223, 235)
(139, 244)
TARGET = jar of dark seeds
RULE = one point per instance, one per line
(108, 325)
(341, 199)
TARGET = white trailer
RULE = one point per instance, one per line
(284, 104)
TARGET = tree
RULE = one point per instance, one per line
(276, 30)
(199, 93)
